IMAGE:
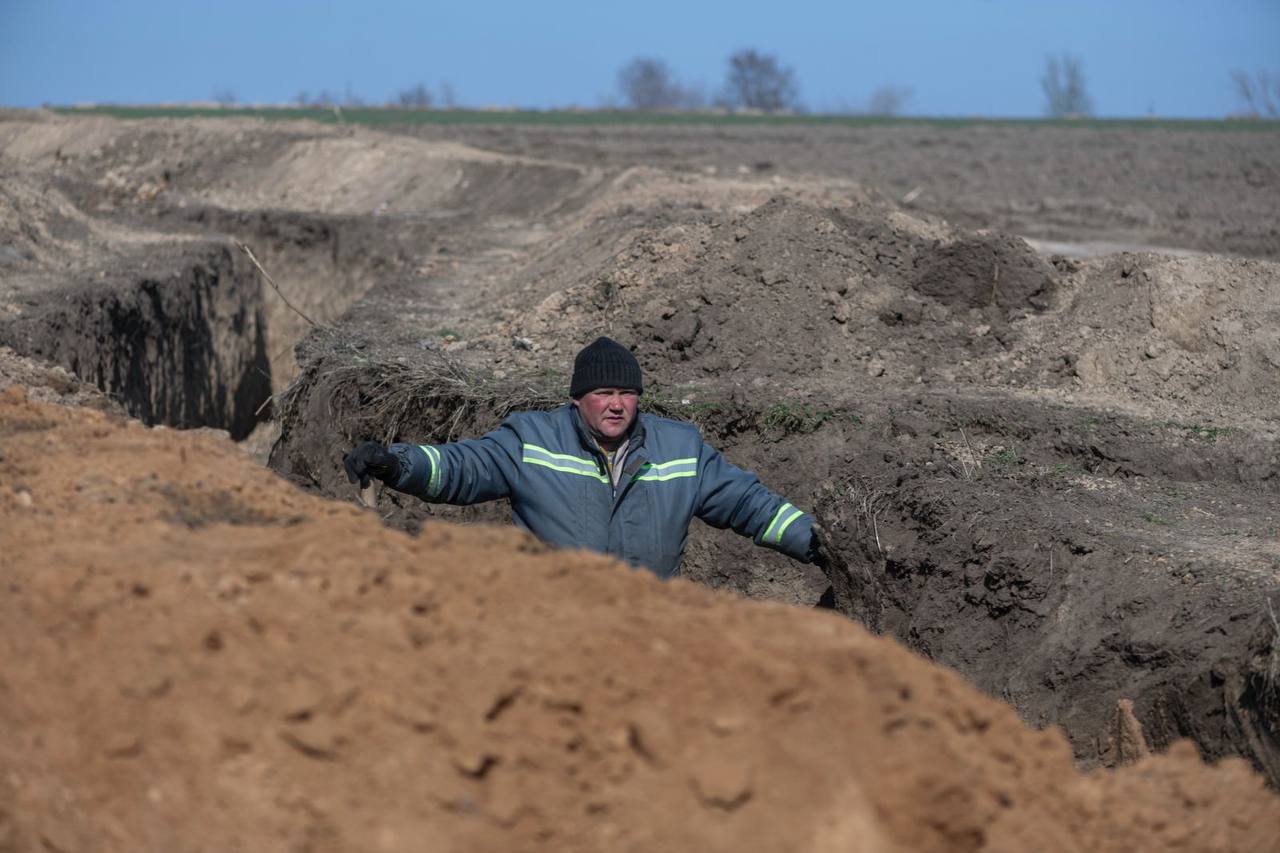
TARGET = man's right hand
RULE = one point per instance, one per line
(823, 555)
(368, 460)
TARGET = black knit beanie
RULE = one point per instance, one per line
(604, 364)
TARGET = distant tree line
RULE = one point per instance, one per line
(754, 81)
(415, 97)
(758, 82)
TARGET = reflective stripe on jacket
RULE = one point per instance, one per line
(556, 479)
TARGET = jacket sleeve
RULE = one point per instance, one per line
(461, 472)
(731, 497)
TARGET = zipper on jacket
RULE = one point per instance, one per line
(634, 461)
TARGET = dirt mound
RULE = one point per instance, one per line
(821, 295)
(37, 135)
(991, 270)
(248, 164)
(792, 290)
(245, 665)
(1189, 339)
(360, 173)
(974, 522)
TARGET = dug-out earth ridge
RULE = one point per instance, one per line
(1056, 475)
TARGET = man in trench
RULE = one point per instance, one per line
(595, 474)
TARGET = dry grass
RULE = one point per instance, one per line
(440, 390)
(394, 395)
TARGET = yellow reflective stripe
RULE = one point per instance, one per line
(692, 460)
(658, 478)
(434, 455)
(657, 472)
(783, 529)
(564, 456)
(533, 460)
(774, 521)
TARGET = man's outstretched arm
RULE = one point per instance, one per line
(731, 497)
(460, 472)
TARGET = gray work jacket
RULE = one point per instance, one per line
(556, 479)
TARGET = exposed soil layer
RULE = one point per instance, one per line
(245, 666)
(1073, 460)
(1124, 559)
(177, 337)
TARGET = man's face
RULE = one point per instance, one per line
(608, 413)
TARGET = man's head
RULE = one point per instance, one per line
(606, 388)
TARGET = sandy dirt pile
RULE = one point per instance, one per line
(199, 656)
(1180, 338)
(247, 165)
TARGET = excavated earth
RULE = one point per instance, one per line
(200, 657)
(1052, 471)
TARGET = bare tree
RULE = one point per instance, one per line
(1260, 93)
(888, 100)
(447, 96)
(324, 98)
(224, 96)
(415, 98)
(756, 81)
(648, 84)
(1064, 91)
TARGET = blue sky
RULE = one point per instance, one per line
(964, 57)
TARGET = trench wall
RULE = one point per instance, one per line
(181, 342)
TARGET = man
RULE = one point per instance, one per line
(593, 474)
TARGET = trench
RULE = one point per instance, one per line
(1043, 594)
(188, 342)
(156, 307)
(194, 338)
(190, 336)
(181, 343)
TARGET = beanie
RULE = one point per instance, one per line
(604, 364)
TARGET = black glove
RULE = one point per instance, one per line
(371, 460)
(821, 554)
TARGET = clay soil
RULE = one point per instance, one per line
(200, 657)
(1046, 453)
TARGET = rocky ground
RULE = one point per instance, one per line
(1056, 475)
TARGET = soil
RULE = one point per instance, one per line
(1057, 476)
(201, 656)
(1207, 190)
